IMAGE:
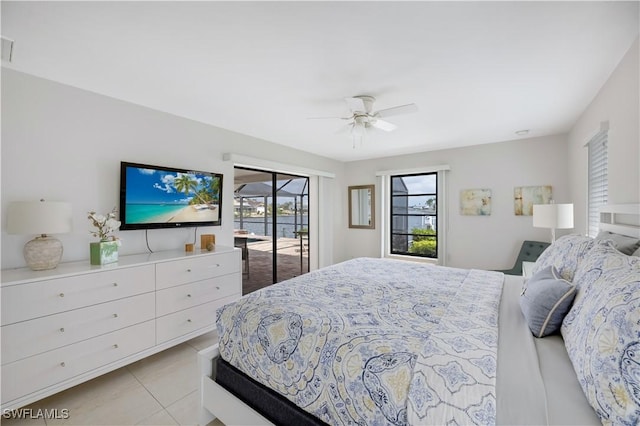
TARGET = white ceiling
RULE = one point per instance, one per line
(478, 71)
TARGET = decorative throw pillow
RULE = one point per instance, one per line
(565, 254)
(546, 299)
(602, 333)
(626, 245)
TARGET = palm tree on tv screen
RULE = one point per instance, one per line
(213, 188)
(187, 184)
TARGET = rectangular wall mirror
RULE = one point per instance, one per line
(362, 207)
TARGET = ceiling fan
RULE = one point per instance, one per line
(363, 117)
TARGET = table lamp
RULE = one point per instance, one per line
(554, 216)
(43, 218)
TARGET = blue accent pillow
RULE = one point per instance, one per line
(546, 299)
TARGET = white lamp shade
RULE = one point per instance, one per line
(554, 216)
(39, 217)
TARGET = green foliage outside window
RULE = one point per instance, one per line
(424, 242)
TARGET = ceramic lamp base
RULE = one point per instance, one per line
(43, 253)
(103, 252)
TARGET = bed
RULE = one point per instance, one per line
(380, 341)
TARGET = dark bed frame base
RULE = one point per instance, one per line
(267, 402)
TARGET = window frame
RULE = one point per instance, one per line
(383, 181)
(392, 232)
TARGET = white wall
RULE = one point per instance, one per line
(561, 161)
(488, 242)
(66, 144)
(618, 102)
(62, 143)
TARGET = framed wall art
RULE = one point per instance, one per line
(524, 197)
(475, 202)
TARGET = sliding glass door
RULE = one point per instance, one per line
(271, 226)
(292, 224)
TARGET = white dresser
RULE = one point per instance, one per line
(68, 325)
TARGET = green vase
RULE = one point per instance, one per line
(103, 252)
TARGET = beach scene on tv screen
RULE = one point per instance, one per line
(161, 196)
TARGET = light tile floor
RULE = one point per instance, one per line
(159, 390)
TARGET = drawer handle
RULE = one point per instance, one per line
(62, 330)
(217, 287)
(115, 346)
(115, 284)
(62, 364)
(189, 270)
(188, 319)
(61, 295)
(115, 315)
(188, 295)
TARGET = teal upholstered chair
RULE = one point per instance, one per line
(529, 252)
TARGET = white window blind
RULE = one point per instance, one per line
(598, 181)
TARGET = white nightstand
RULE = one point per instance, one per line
(527, 267)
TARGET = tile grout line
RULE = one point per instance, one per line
(151, 393)
(152, 396)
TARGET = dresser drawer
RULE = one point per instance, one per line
(32, 337)
(174, 325)
(193, 269)
(40, 371)
(185, 296)
(33, 300)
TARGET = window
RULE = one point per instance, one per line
(414, 214)
(598, 181)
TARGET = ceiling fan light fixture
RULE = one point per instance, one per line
(363, 118)
(358, 128)
(358, 132)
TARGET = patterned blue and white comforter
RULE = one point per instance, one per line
(373, 341)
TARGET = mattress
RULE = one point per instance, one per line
(534, 382)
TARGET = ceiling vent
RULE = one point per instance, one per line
(7, 49)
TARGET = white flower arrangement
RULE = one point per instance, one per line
(105, 224)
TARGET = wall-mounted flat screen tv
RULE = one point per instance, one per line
(167, 197)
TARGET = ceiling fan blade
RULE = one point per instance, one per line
(325, 118)
(355, 104)
(383, 125)
(401, 109)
